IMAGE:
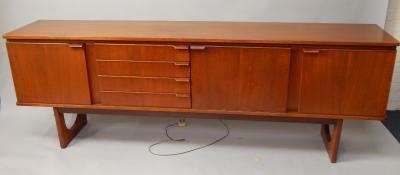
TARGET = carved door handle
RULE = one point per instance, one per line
(181, 47)
(181, 63)
(78, 45)
(182, 80)
(197, 47)
(312, 51)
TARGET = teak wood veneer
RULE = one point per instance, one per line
(292, 72)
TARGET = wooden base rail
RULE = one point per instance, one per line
(331, 141)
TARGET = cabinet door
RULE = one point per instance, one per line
(345, 82)
(240, 78)
(49, 73)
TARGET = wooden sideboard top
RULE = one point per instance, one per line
(214, 32)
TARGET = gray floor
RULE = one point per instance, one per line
(118, 145)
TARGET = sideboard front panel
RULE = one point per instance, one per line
(49, 73)
(346, 82)
(240, 78)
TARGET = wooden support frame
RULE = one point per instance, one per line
(65, 134)
(331, 141)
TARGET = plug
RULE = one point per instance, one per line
(181, 122)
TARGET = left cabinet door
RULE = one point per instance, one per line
(49, 73)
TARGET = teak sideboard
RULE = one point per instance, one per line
(295, 72)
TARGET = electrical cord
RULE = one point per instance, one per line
(169, 137)
(182, 139)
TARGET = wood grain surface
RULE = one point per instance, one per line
(240, 78)
(49, 73)
(347, 82)
(220, 32)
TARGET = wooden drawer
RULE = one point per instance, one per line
(139, 52)
(143, 68)
(149, 68)
(144, 84)
(145, 99)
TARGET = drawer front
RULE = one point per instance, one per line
(145, 99)
(143, 68)
(140, 74)
(144, 84)
(139, 52)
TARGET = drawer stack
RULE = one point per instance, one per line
(143, 75)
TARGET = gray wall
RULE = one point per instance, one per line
(14, 13)
(393, 26)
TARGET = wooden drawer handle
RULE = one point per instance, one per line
(197, 47)
(181, 63)
(311, 51)
(75, 45)
(181, 47)
(186, 80)
(182, 95)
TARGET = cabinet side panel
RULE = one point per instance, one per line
(92, 73)
(294, 79)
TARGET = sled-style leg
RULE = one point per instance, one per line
(65, 135)
(332, 141)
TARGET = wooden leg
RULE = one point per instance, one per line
(65, 135)
(332, 141)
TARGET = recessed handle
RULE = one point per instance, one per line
(182, 95)
(311, 51)
(181, 63)
(185, 80)
(181, 47)
(78, 45)
(197, 47)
